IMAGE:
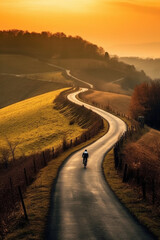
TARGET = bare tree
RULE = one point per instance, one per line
(12, 146)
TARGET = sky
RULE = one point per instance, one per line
(124, 28)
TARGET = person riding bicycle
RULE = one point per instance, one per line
(85, 155)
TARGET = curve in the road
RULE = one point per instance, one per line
(68, 72)
(83, 205)
(77, 79)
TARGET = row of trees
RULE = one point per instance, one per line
(46, 44)
(146, 102)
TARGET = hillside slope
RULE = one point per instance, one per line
(104, 74)
(149, 65)
(23, 77)
(117, 102)
(35, 124)
(86, 60)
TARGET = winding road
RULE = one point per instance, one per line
(83, 206)
(68, 72)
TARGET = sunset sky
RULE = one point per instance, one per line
(120, 27)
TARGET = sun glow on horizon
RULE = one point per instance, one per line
(105, 22)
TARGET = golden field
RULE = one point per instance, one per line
(35, 125)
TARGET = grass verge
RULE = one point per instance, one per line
(129, 196)
(37, 197)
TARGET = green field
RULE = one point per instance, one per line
(35, 125)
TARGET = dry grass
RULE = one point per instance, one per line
(118, 102)
(129, 196)
(37, 198)
(151, 140)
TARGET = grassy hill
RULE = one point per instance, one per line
(105, 74)
(35, 125)
(23, 77)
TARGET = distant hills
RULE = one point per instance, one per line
(105, 74)
(143, 50)
(149, 65)
(24, 69)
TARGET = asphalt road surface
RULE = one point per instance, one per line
(83, 206)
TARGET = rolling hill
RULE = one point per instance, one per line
(86, 60)
(35, 125)
(105, 74)
(23, 77)
(149, 65)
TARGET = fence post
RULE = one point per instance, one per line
(138, 177)
(44, 158)
(53, 155)
(76, 141)
(144, 189)
(34, 165)
(153, 191)
(25, 175)
(22, 201)
(125, 173)
(11, 184)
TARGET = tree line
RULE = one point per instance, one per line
(46, 44)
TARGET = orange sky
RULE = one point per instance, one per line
(121, 27)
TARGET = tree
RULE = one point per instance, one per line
(12, 147)
(145, 101)
(107, 57)
(46, 44)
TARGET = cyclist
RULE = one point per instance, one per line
(85, 156)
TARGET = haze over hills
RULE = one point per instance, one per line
(149, 65)
(142, 50)
(105, 74)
